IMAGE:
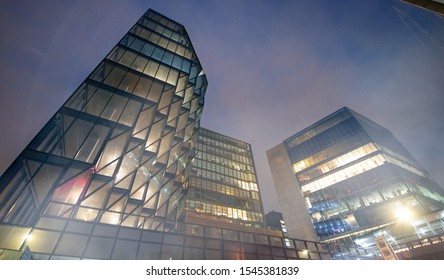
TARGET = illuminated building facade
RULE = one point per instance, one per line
(346, 176)
(118, 152)
(223, 183)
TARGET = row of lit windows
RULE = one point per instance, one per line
(156, 52)
(334, 163)
(161, 41)
(405, 166)
(226, 162)
(397, 155)
(352, 189)
(333, 208)
(250, 186)
(224, 170)
(143, 65)
(433, 195)
(224, 199)
(118, 77)
(315, 131)
(224, 211)
(344, 174)
(329, 152)
(222, 153)
(347, 128)
(222, 145)
(159, 25)
(223, 139)
(221, 188)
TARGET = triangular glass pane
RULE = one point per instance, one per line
(113, 150)
(44, 180)
(33, 166)
(141, 135)
(138, 194)
(72, 190)
(165, 192)
(97, 198)
(125, 183)
(151, 204)
(118, 131)
(67, 121)
(162, 211)
(72, 172)
(119, 205)
(114, 197)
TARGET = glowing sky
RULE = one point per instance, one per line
(273, 67)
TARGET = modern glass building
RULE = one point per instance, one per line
(346, 176)
(120, 171)
(223, 182)
(119, 151)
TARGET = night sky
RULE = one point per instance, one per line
(273, 67)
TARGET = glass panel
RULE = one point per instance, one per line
(12, 237)
(151, 236)
(213, 244)
(71, 244)
(50, 223)
(139, 64)
(128, 58)
(193, 254)
(173, 239)
(148, 251)
(104, 230)
(115, 77)
(79, 227)
(129, 82)
(213, 254)
(113, 150)
(71, 191)
(99, 248)
(44, 179)
(171, 253)
(114, 108)
(127, 233)
(155, 91)
(142, 87)
(145, 119)
(98, 102)
(86, 214)
(42, 241)
(131, 112)
(125, 250)
(75, 136)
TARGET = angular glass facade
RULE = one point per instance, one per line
(119, 151)
(354, 176)
(223, 181)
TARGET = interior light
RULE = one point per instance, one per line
(28, 237)
(404, 214)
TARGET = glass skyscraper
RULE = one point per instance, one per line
(346, 176)
(119, 151)
(223, 183)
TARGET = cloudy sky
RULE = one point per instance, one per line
(274, 67)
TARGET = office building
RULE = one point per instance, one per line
(118, 152)
(346, 176)
(223, 182)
